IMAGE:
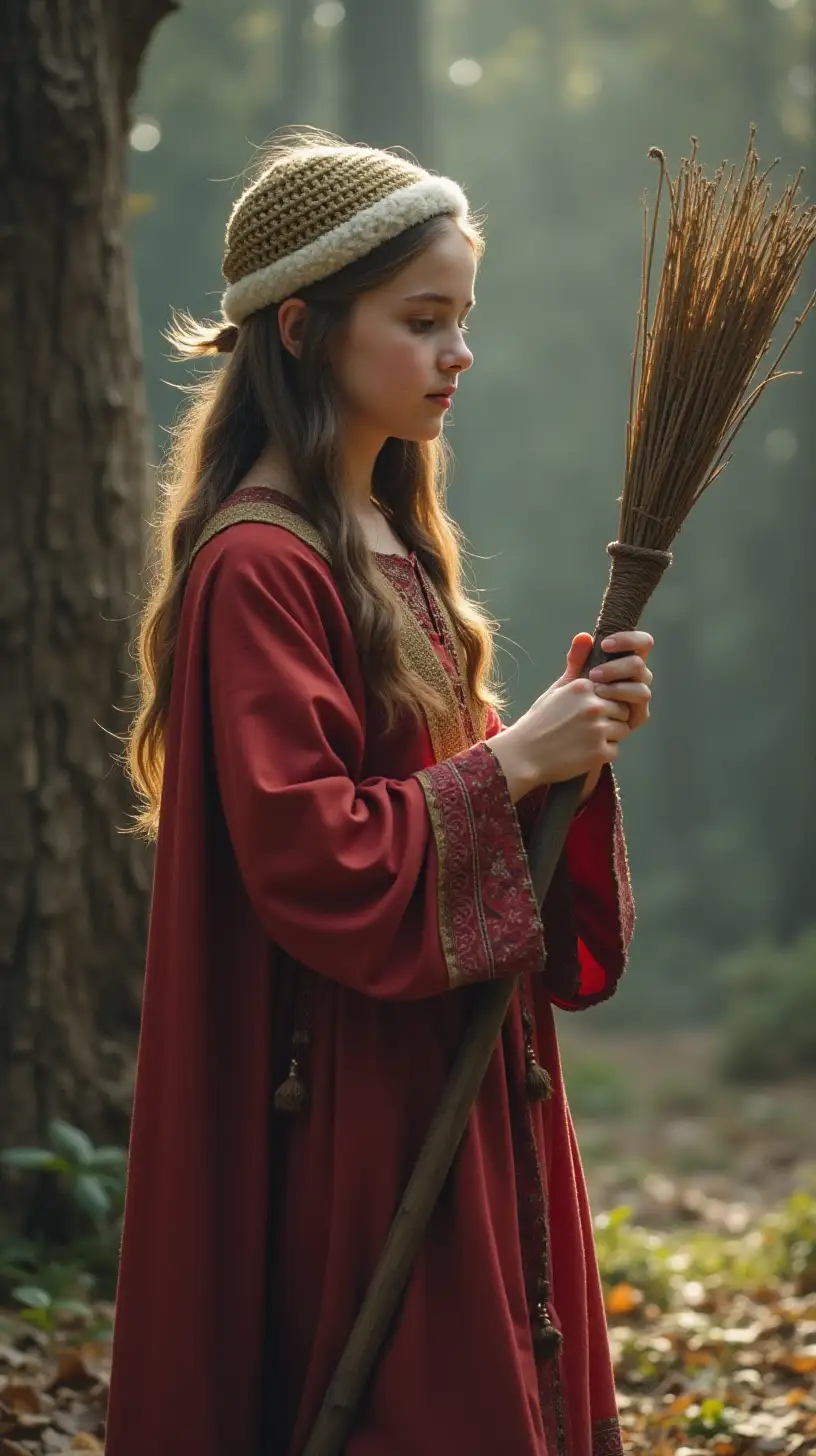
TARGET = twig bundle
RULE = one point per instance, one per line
(730, 267)
(728, 272)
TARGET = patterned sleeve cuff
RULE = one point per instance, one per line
(489, 922)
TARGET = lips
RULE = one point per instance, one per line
(442, 394)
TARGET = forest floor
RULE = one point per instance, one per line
(705, 1211)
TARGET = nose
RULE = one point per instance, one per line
(459, 358)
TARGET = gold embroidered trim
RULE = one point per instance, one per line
(267, 513)
(445, 726)
(478, 712)
(455, 975)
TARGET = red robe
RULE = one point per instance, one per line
(313, 870)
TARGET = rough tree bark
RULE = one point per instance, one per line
(74, 497)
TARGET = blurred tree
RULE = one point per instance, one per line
(385, 101)
(75, 497)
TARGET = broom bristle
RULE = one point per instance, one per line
(729, 269)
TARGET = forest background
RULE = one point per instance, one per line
(124, 138)
(545, 113)
(125, 142)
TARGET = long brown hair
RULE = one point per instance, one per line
(262, 395)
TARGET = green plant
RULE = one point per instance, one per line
(628, 1254)
(711, 1418)
(794, 1229)
(94, 1177)
(93, 1180)
(670, 1268)
(61, 1295)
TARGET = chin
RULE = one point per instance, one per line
(425, 432)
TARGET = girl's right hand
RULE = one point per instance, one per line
(567, 732)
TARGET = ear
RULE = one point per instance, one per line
(292, 316)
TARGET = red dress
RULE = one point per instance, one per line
(316, 872)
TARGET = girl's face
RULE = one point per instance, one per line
(404, 342)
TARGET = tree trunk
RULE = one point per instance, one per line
(386, 101)
(74, 495)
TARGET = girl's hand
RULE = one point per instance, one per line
(627, 680)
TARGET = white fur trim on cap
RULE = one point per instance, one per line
(353, 239)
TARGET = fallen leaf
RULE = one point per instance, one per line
(679, 1405)
(623, 1299)
(22, 1400)
(72, 1371)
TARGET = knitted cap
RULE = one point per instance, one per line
(317, 209)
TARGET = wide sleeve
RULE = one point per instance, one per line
(393, 887)
(588, 913)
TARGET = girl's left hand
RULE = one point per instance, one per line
(627, 679)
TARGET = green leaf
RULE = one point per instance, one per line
(34, 1158)
(619, 1215)
(32, 1297)
(72, 1142)
(39, 1317)
(113, 1158)
(91, 1196)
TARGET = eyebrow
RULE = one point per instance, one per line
(436, 298)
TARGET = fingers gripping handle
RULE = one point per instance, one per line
(552, 826)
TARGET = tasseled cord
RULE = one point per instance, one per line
(539, 1083)
(293, 1094)
(548, 1341)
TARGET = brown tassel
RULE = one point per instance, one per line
(548, 1341)
(539, 1082)
(292, 1095)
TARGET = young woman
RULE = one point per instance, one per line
(342, 823)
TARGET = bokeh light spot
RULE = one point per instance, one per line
(781, 445)
(145, 134)
(465, 72)
(329, 14)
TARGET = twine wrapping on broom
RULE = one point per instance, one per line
(728, 272)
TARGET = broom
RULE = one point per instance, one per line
(728, 271)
